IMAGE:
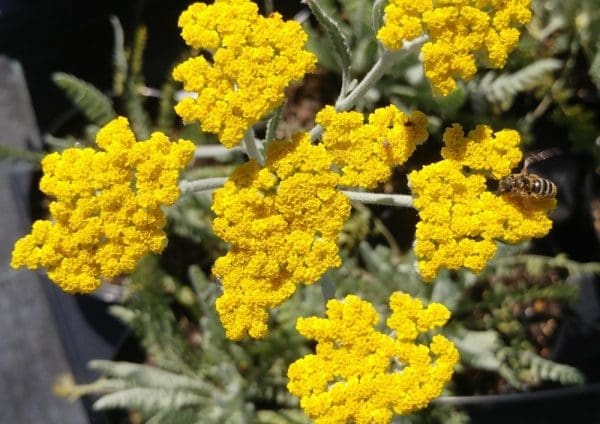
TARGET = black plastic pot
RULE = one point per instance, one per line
(555, 406)
(85, 328)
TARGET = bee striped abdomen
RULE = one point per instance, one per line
(541, 187)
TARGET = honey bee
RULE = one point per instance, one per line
(530, 185)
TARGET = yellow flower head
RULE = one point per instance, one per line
(254, 59)
(107, 208)
(282, 222)
(459, 31)
(365, 153)
(460, 218)
(361, 375)
(483, 150)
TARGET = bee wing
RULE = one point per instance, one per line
(538, 156)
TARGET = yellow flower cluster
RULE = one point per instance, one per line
(366, 153)
(107, 213)
(282, 222)
(460, 218)
(459, 30)
(253, 60)
(360, 375)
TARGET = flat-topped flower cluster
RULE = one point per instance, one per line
(461, 220)
(107, 208)
(361, 375)
(252, 61)
(282, 222)
(459, 32)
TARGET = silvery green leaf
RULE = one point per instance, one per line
(92, 102)
(119, 57)
(337, 39)
(447, 292)
(478, 348)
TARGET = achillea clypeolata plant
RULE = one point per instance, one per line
(458, 31)
(461, 220)
(253, 60)
(107, 209)
(282, 222)
(282, 211)
(361, 375)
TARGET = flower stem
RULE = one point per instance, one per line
(385, 61)
(398, 200)
(327, 287)
(204, 184)
(269, 8)
(252, 149)
(377, 71)
(207, 151)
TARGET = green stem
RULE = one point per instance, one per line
(327, 287)
(377, 71)
(207, 151)
(269, 8)
(398, 200)
(378, 12)
(385, 61)
(252, 149)
(205, 184)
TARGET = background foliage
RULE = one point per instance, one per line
(505, 321)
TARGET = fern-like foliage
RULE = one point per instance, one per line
(536, 265)
(337, 39)
(544, 369)
(502, 89)
(134, 102)
(148, 312)
(92, 102)
(169, 397)
(18, 155)
(519, 367)
(523, 369)
(119, 57)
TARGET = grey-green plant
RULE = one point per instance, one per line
(192, 372)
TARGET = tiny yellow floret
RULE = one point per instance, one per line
(254, 59)
(361, 375)
(107, 209)
(366, 153)
(282, 222)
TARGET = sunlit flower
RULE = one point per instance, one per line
(282, 222)
(366, 152)
(253, 60)
(107, 209)
(361, 375)
(461, 220)
(458, 31)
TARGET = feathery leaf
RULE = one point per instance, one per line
(92, 102)
(503, 89)
(337, 39)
